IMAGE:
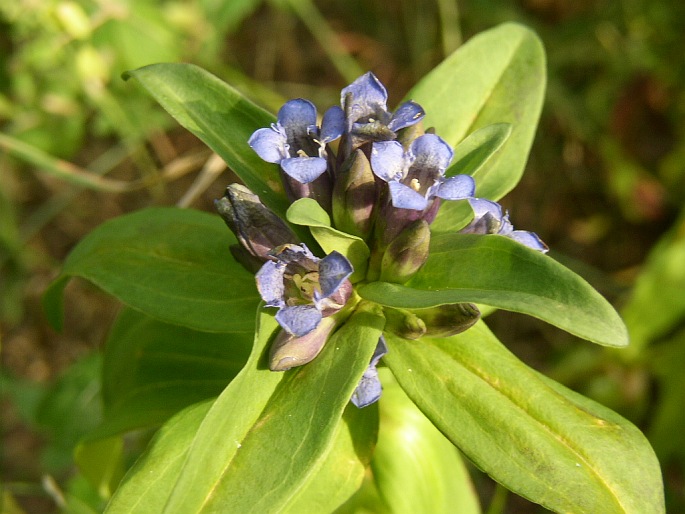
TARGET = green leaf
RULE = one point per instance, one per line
(497, 271)
(153, 370)
(69, 410)
(657, 302)
(344, 467)
(471, 155)
(147, 485)
(453, 216)
(531, 434)
(415, 467)
(470, 158)
(667, 423)
(171, 264)
(101, 464)
(267, 433)
(496, 77)
(308, 212)
(221, 117)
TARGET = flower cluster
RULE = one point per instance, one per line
(381, 177)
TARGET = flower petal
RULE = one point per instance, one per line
(369, 389)
(270, 283)
(298, 254)
(530, 239)
(298, 320)
(406, 115)
(296, 116)
(388, 161)
(333, 271)
(380, 351)
(332, 125)
(270, 143)
(431, 151)
(405, 197)
(364, 97)
(457, 187)
(481, 207)
(304, 169)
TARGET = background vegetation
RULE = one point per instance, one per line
(605, 184)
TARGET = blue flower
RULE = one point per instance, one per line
(489, 218)
(303, 287)
(296, 142)
(367, 117)
(417, 176)
(369, 388)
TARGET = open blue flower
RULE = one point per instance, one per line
(367, 117)
(296, 142)
(303, 287)
(417, 176)
(489, 218)
(369, 388)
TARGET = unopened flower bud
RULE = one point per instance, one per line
(289, 351)
(404, 323)
(257, 228)
(319, 189)
(448, 320)
(406, 253)
(407, 135)
(354, 196)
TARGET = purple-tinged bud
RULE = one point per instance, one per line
(407, 135)
(448, 320)
(404, 323)
(406, 253)
(289, 351)
(319, 189)
(337, 300)
(354, 196)
(257, 228)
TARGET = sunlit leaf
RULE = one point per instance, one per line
(531, 434)
(221, 117)
(416, 469)
(344, 467)
(268, 433)
(308, 212)
(498, 76)
(497, 271)
(147, 485)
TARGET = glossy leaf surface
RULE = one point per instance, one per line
(221, 117)
(416, 469)
(268, 433)
(462, 94)
(531, 434)
(308, 212)
(343, 469)
(497, 271)
(471, 157)
(152, 370)
(171, 264)
(147, 485)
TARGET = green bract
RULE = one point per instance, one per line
(191, 350)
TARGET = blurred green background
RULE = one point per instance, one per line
(605, 184)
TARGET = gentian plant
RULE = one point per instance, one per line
(327, 353)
